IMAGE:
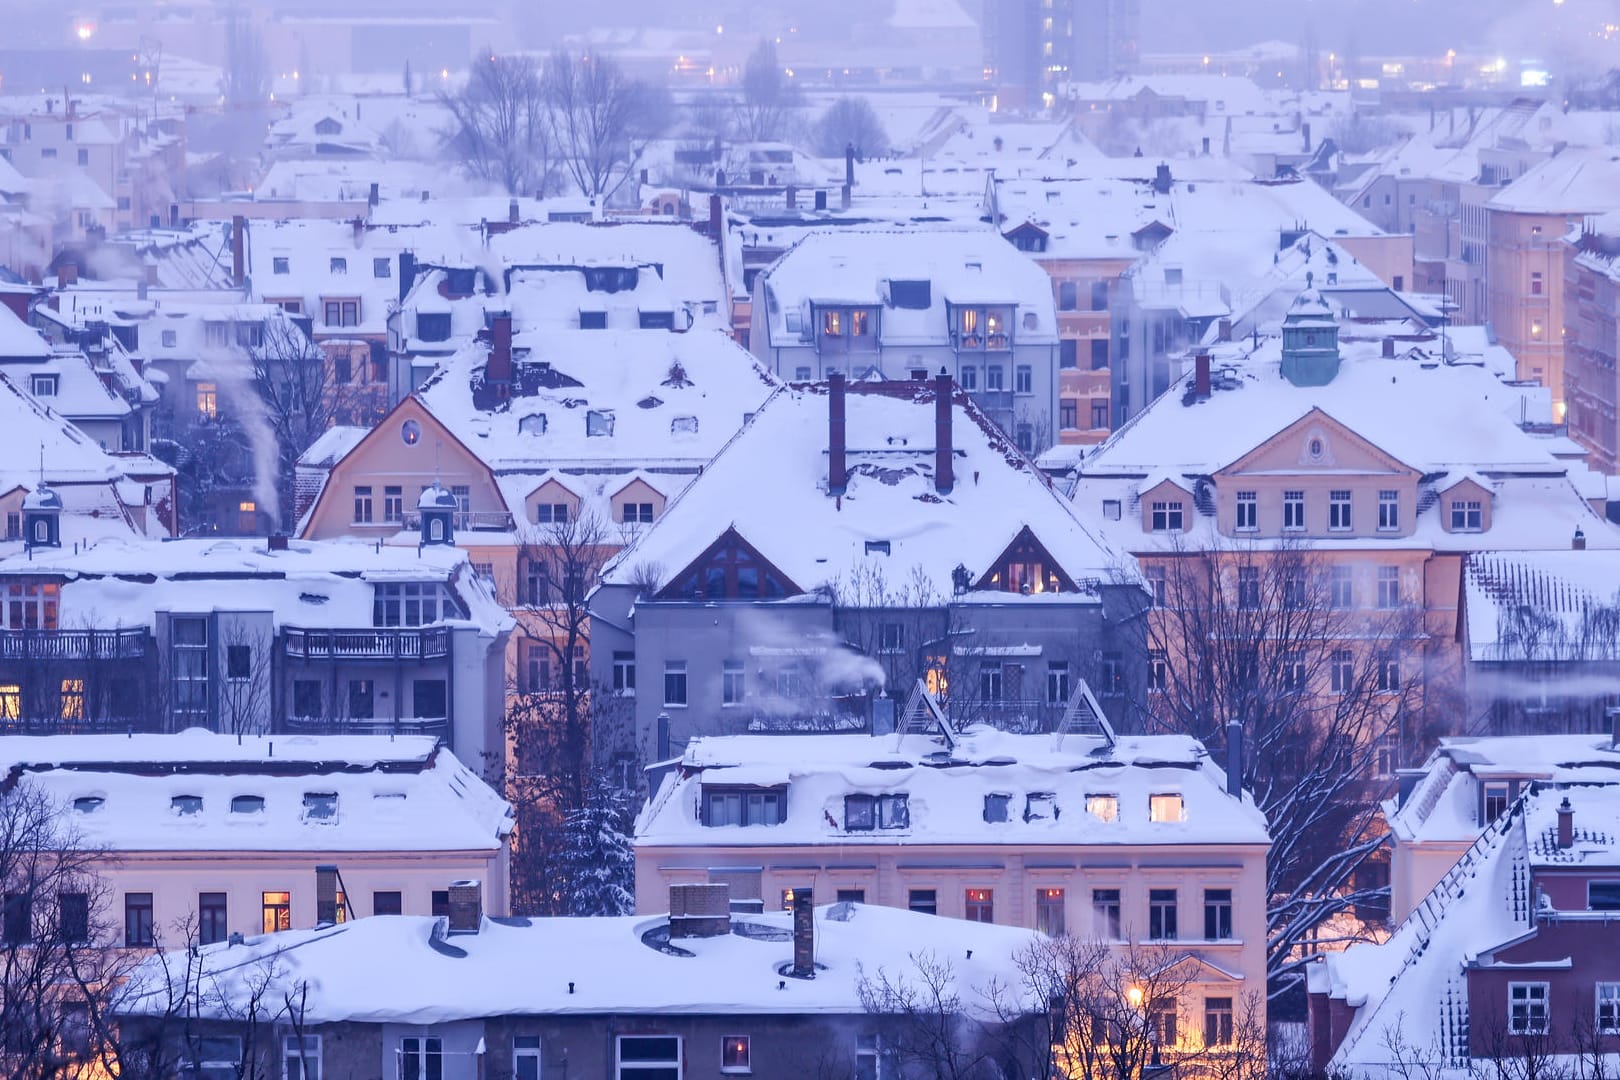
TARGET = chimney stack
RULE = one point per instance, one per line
(67, 273)
(1161, 179)
(837, 473)
(374, 195)
(821, 200)
(512, 212)
(1566, 825)
(699, 910)
(716, 227)
(804, 935)
(1388, 348)
(943, 459)
(407, 274)
(844, 200)
(238, 250)
(1223, 330)
(1201, 375)
(466, 907)
(498, 370)
(278, 542)
(1234, 759)
(792, 197)
(1578, 541)
(1305, 131)
(326, 901)
(849, 165)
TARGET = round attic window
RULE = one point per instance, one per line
(411, 432)
(1314, 447)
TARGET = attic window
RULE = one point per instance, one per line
(533, 424)
(683, 425)
(794, 325)
(279, 264)
(599, 422)
(247, 804)
(593, 320)
(1103, 807)
(1111, 509)
(649, 402)
(433, 325)
(1166, 808)
(877, 547)
(910, 295)
(380, 267)
(88, 804)
(1040, 806)
(863, 813)
(186, 804)
(339, 265)
(320, 806)
(995, 808)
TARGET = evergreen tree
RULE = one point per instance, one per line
(596, 864)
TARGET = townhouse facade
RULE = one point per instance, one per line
(1592, 338)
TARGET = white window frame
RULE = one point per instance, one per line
(1293, 501)
(1389, 510)
(733, 683)
(1160, 800)
(624, 1070)
(747, 1067)
(1533, 992)
(296, 1048)
(1606, 993)
(1340, 509)
(197, 1067)
(673, 668)
(1248, 511)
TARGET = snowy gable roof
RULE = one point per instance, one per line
(891, 519)
(860, 266)
(136, 793)
(18, 340)
(310, 583)
(402, 969)
(1048, 780)
(1542, 605)
(1581, 180)
(630, 398)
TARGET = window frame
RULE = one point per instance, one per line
(1340, 510)
(1389, 509)
(1218, 914)
(627, 1070)
(527, 1052)
(138, 931)
(730, 1042)
(1534, 992)
(296, 1047)
(676, 684)
(1164, 914)
(1294, 510)
(1606, 993)
(1248, 512)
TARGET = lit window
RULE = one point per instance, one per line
(734, 1054)
(72, 699)
(207, 400)
(1049, 912)
(247, 515)
(980, 905)
(1103, 807)
(1166, 808)
(277, 909)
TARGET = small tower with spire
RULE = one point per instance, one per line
(42, 513)
(437, 508)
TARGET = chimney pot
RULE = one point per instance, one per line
(278, 542)
(466, 907)
(1201, 375)
(837, 435)
(1578, 541)
(944, 479)
(1566, 824)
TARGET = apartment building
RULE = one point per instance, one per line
(1592, 338)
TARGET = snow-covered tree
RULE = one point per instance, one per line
(850, 121)
(596, 866)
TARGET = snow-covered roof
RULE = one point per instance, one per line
(18, 340)
(771, 485)
(947, 785)
(858, 266)
(1581, 180)
(1443, 805)
(403, 969)
(309, 584)
(1538, 606)
(1438, 418)
(128, 793)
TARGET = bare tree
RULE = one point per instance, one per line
(501, 129)
(302, 395)
(925, 1026)
(245, 693)
(850, 121)
(602, 118)
(769, 106)
(1328, 695)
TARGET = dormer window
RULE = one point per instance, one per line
(684, 425)
(43, 385)
(593, 320)
(407, 603)
(744, 806)
(1040, 806)
(995, 808)
(551, 513)
(339, 265)
(247, 804)
(1103, 807)
(636, 513)
(877, 547)
(1167, 516)
(911, 295)
(1168, 807)
(657, 320)
(88, 804)
(533, 424)
(863, 813)
(599, 422)
(1496, 795)
(320, 806)
(1467, 515)
(185, 805)
(433, 325)
(976, 329)
(846, 329)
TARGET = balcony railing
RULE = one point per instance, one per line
(471, 521)
(74, 644)
(437, 726)
(401, 643)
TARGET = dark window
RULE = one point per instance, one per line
(238, 661)
(138, 919)
(433, 326)
(1217, 914)
(757, 806)
(1603, 895)
(912, 295)
(386, 903)
(1099, 354)
(1068, 414)
(73, 916)
(995, 807)
(211, 921)
(1162, 914)
(1068, 353)
(306, 697)
(1218, 1021)
(361, 702)
(441, 903)
(657, 320)
(593, 320)
(1099, 296)
(923, 901)
(17, 919)
(851, 896)
(422, 1058)
(428, 695)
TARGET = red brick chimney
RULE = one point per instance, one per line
(837, 472)
(466, 907)
(804, 935)
(699, 910)
(1201, 375)
(67, 273)
(944, 479)
(1566, 824)
(238, 250)
(499, 367)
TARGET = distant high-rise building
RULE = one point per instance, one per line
(1032, 45)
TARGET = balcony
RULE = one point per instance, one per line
(469, 521)
(403, 643)
(436, 726)
(42, 645)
